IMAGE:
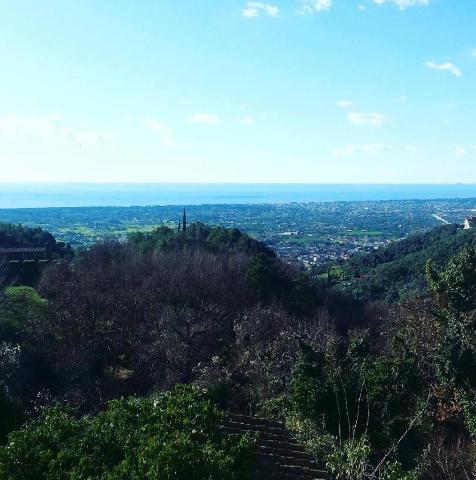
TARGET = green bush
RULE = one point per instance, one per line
(351, 408)
(172, 436)
(19, 304)
(350, 460)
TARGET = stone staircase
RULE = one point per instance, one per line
(278, 455)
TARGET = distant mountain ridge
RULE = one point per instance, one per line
(396, 271)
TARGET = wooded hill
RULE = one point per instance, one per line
(397, 271)
(122, 362)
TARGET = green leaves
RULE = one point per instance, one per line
(455, 286)
(20, 304)
(454, 289)
(350, 460)
(171, 436)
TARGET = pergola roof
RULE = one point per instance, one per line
(10, 250)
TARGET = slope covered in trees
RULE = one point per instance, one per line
(375, 392)
(198, 235)
(396, 271)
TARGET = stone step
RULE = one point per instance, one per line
(255, 421)
(284, 459)
(278, 455)
(286, 445)
(290, 476)
(263, 436)
(284, 452)
(256, 428)
(285, 476)
(295, 470)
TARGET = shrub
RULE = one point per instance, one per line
(175, 435)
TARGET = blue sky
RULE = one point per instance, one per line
(234, 91)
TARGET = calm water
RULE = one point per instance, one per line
(83, 195)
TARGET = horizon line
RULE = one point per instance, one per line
(230, 183)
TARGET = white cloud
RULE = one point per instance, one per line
(445, 67)
(46, 128)
(414, 149)
(473, 52)
(246, 120)
(187, 102)
(165, 133)
(369, 149)
(87, 137)
(372, 119)
(256, 9)
(403, 4)
(461, 151)
(362, 7)
(345, 103)
(205, 118)
(308, 7)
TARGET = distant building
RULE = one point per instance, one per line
(469, 222)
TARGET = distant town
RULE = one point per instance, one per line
(309, 233)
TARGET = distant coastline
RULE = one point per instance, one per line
(29, 195)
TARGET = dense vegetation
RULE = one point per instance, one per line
(375, 390)
(174, 435)
(396, 271)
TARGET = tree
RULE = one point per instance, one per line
(19, 305)
(11, 414)
(173, 436)
(454, 290)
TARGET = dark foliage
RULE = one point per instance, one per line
(376, 391)
(159, 310)
(199, 235)
(396, 271)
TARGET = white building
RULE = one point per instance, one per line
(469, 222)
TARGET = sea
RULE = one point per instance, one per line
(39, 195)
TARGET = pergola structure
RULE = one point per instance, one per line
(23, 254)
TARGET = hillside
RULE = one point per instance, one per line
(396, 271)
(127, 359)
(199, 236)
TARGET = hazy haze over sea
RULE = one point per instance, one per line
(83, 195)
